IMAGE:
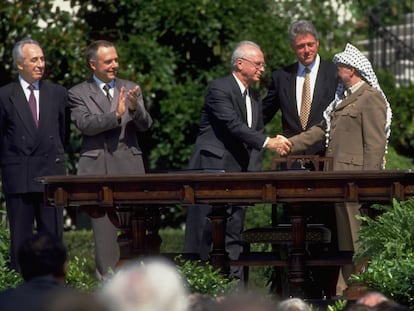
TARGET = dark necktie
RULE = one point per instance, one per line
(32, 104)
(106, 88)
(306, 100)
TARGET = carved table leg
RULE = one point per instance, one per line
(218, 256)
(297, 256)
(153, 222)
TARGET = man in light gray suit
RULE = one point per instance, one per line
(109, 112)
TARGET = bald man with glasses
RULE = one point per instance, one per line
(231, 128)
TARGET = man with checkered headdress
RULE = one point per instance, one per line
(356, 128)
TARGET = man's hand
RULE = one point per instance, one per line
(120, 109)
(132, 97)
(279, 144)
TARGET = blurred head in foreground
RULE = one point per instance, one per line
(153, 285)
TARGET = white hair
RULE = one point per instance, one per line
(293, 304)
(155, 285)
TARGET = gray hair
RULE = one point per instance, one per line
(240, 52)
(153, 285)
(293, 304)
(301, 27)
(17, 53)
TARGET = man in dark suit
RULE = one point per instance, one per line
(109, 112)
(231, 127)
(31, 145)
(286, 91)
(286, 86)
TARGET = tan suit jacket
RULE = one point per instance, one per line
(357, 137)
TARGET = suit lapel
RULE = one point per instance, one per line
(290, 90)
(98, 97)
(320, 92)
(238, 97)
(44, 105)
(352, 98)
(320, 81)
(23, 110)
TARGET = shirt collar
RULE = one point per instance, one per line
(101, 83)
(353, 88)
(314, 64)
(26, 84)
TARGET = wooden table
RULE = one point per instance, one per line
(127, 198)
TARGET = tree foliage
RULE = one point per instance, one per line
(175, 48)
(56, 30)
(172, 48)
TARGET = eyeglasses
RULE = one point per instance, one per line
(258, 65)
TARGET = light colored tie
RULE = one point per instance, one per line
(106, 88)
(32, 104)
(306, 100)
(248, 107)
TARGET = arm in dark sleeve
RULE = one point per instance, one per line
(271, 101)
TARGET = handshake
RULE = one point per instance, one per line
(279, 144)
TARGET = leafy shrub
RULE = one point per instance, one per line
(79, 272)
(78, 277)
(200, 277)
(203, 278)
(388, 242)
(337, 305)
(8, 277)
(80, 246)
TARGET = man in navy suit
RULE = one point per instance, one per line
(31, 145)
(285, 88)
(231, 127)
(285, 93)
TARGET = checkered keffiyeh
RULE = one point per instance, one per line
(351, 56)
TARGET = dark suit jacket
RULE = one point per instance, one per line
(27, 152)
(282, 95)
(30, 295)
(224, 140)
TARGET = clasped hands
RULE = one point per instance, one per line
(132, 96)
(279, 144)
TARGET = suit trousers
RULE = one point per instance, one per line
(24, 211)
(198, 233)
(106, 246)
(347, 229)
